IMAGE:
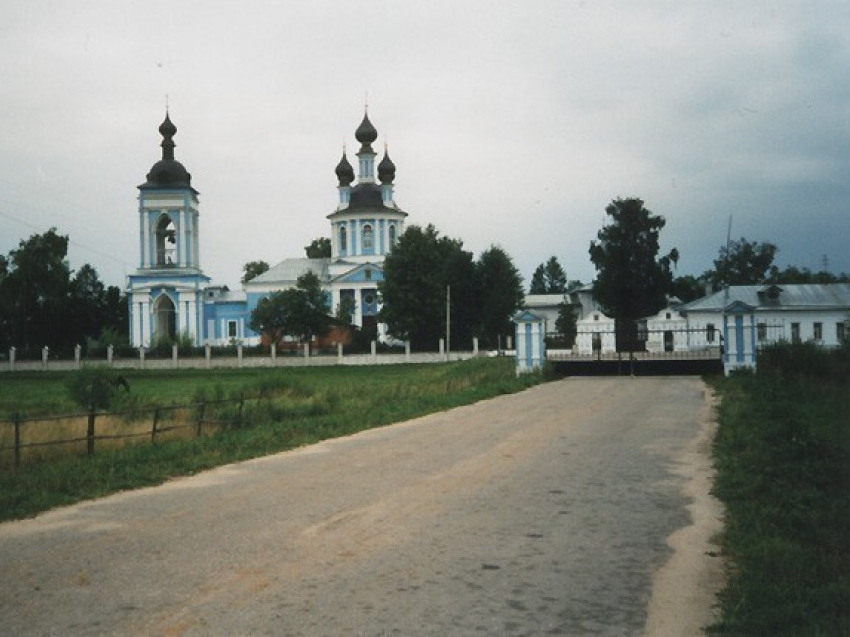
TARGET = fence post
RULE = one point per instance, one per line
(90, 433)
(141, 357)
(78, 351)
(174, 355)
(306, 353)
(110, 352)
(153, 428)
(239, 353)
(374, 351)
(45, 352)
(274, 353)
(339, 353)
(17, 420)
(200, 419)
(475, 346)
(12, 351)
(207, 354)
(407, 351)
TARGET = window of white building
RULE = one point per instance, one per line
(818, 331)
(368, 242)
(839, 331)
(231, 329)
(709, 332)
(795, 332)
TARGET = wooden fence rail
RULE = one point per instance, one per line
(19, 425)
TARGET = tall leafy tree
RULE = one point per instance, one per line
(632, 281)
(549, 278)
(742, 263)
(499, 286)
(566, 325)
(687, 288)
(301, 312)
(35, 292)
(793, 274)
(319, 248)
(417, 274)
(42, 302)
(253, 269)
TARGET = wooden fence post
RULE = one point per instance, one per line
(90, 433)
(17, 419)
(153, 428)
(200, 419)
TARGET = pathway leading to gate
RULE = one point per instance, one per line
(546, 512)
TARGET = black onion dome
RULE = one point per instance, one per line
(344, 171)
(167, 128)
(366, 133)
(386, 169)
(168, 173)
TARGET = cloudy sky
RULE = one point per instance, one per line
(510, 122)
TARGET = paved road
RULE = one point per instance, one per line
(543, 513)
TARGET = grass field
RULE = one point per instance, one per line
(782, 453)
(293, 407)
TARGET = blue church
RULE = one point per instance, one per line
(170, 296)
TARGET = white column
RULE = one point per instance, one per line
(146, 237)
(145, 323)
(192, 318)
(181, 238)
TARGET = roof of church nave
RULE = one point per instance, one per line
(168, 172)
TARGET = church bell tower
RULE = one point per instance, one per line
(166, 292)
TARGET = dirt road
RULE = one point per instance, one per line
(543, 513)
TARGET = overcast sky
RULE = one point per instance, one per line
(510, 123)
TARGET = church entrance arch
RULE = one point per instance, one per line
(165, 319)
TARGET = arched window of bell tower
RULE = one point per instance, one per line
(166, 241)
(343, 240)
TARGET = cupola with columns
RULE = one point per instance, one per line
(367, 221)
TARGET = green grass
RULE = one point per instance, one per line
(782, 453)
(299, 406)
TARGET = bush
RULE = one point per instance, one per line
(92, 388)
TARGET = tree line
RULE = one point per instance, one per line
(45, 303)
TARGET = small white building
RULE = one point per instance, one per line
(747, 317)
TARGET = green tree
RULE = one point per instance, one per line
(631, 281)
(417, 274)
(687, 288)
(345, 310)
(253, 269)
(35, 292)
(742, 263)
(549, 278)
(499, 286)
(300, 312)
(792, 274)
(566, 324)
(319, 248)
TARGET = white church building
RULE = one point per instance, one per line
(170, 296)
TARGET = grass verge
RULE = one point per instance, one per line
(304, 406)
(782, 453)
